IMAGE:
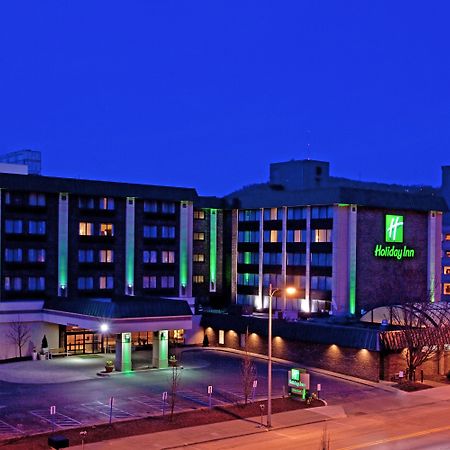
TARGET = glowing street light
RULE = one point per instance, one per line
(272, 292)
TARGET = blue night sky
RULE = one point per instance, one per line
(206, 93)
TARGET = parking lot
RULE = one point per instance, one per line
(87, 399)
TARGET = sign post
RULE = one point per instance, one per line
(164, 399)
(319, 388)
(53, 413)
(255, 385)
(210, 390)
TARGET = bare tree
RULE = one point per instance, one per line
(174, 385)
(19, 334)
(248, 372)
(424, 329)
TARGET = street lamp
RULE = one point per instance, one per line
(272, 292)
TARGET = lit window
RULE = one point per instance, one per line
(321, 236)
(272, 236)
(273, 214)
(150, 231)
(447, 288)
(86, 229)
(36, 283)
(150, 256)
(447, 237)
(167, 232)
(149, 282)
(167, 257)
(199, 236)
(199, 214)
(36, 199)
(106, 256)
(13, 254)
(13, 226)
(150, 206)
(85, 256)
(106, 203)
(106, 229)
(199, 257)
(446, 270)
(36, 227)
(221, 337)
(198, 279)
(36, 255)
(106, 282)
(167, 282)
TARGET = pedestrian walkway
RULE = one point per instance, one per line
(218, 431)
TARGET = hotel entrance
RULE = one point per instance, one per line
(79, 341)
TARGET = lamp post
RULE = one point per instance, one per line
(272, 292)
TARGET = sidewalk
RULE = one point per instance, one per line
(218, 431)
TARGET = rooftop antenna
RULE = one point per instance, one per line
(308, 144)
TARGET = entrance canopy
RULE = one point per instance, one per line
(119, 315)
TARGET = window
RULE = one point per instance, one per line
(272, 258)
(86, 229)
(85, 256)
(447, 288)
(273, 214)
(150, 206)
(321, 283)
(106, 282)
(296, 213)
(13, 284)
(272, 236)
(447, 254)
(85, 283)
(36, 283)
(106, 256)
(322, 212)
(106, 229)
(7, 197)
(198, 279)
(13, 254)
(167, 257)
(150, 231)
(321, 236)
(106, 203)
(36, 227)
(296, 259)
(248, 258)
(272, 278)
(36, 255)
(249, 215)
(296, 236)
(198, 257)
(167, 282)
(149, 282)
(248, 279)
(221, 337)
(150, 256)
(199, 236)
(86, 203)
(167, 232)
(168, 207)
(446, 270)
(13, 226)
(447, 237)
(248, 236)
(199, 214)
(36, 199)
(321, 259)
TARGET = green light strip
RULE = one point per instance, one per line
(184, 226)
(352, 263)
(63, 237)
(213, 248)
(129, 245)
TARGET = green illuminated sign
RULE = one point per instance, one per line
(393, 233)
(394, 228)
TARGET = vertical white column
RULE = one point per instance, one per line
(308, 260)
(63, 239)
(284, 254)
(434, 262)
(261, 258)
(130, 214)
(186, 248)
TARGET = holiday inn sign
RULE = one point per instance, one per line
(393, 234)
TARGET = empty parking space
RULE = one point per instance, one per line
(8, 430)
(57, 419)
(105, 410)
